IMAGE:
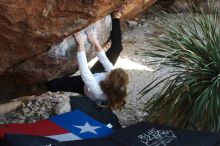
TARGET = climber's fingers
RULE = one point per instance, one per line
(91, 36)
(119, 12)
(79, 38)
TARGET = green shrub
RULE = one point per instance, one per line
(190, 97)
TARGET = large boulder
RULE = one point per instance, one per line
(36, 43)
(57, 61)
(27, 28)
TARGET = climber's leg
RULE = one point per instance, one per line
(68, 84)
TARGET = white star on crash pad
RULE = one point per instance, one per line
(87, 128)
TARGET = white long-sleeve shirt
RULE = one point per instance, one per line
(92, 88)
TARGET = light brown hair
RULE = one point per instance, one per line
(115, 88)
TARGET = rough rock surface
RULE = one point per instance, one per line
(28, 29)
(135, 7)
(40, 108)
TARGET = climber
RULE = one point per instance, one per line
(107, 89)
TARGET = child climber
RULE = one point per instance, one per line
(106, 88)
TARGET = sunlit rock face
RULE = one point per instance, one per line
(36, 42)
(60, 59)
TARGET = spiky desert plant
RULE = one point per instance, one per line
(190, 96)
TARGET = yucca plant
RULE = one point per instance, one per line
(190, 96)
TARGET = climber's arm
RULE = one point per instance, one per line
(99, 52)
(87, 76)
